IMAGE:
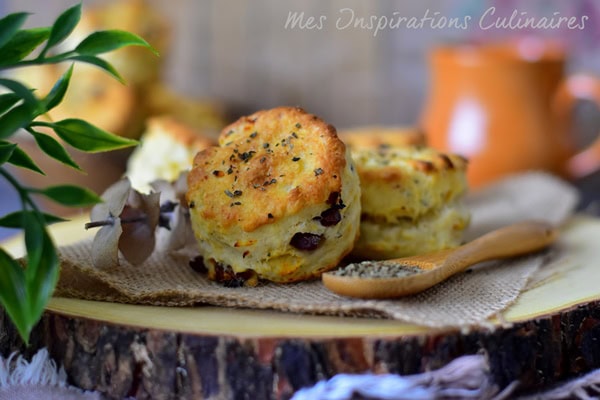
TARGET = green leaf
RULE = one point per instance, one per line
(8, 101)
(34, 232)
(24, 92)
(15, 219)
(58, 90)
(86, 137)
(109, 40)
(70, 195)
(13, 294)
(15, 119)
(54, 149)
(9, 25)
(21, 159)
(6, 151)
(22, 44)
(99, 62)
(42, 269)
(63, 26)
(42, 279)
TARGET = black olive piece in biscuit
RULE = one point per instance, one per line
(279, 197)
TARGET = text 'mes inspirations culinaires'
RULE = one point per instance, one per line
(347, 18)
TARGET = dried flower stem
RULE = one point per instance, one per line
(111, 221)
(166, 208)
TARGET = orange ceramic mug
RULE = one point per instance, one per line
(507, 107)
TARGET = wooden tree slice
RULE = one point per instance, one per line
(551, 333)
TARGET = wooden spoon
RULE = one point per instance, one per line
(409, 275)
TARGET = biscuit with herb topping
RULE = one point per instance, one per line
(410, 200)
(279, 199)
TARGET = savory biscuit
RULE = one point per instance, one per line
(138, 65)
(99, 99)
(408, 181)
(435, 231)
(279, 198)
(167, 148)
(376, 137)
(202, 114)
(410, 201)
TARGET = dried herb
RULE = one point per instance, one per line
(377, 269)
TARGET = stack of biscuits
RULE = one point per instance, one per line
(410, 201)
(284, 198)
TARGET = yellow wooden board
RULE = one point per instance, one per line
(576, 281)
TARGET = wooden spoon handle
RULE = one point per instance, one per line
(513, 240)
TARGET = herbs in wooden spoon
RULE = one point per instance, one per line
(409, 275)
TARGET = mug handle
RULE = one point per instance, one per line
(580, 87)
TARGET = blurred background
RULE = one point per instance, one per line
(224, 58)
(240, 52)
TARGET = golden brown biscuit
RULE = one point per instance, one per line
(279, 197)
(203, 114)
(167, 148)
(410, 201)
(101, 100)
(95, 97)
(442, 229)
(408, 181)
(136, 64)
(375, 137)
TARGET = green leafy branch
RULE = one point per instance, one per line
(26, 289)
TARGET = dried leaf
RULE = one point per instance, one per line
(165, 188)
(180, 233)
(105, 250)
(139, 220)
(114, 200)
(181, 186)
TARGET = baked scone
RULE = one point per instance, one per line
(167, 148)
(411, 201)
(375, 137)
(101, 100)
(442, 229)
(96, 97)
(408, 181)
(279, 199)
(203, 114)
(137, 65)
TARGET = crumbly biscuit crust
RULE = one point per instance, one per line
(411, 201)
(399, 182)
(270, 164)
(279, 199)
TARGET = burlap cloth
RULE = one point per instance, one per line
(464, 300)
